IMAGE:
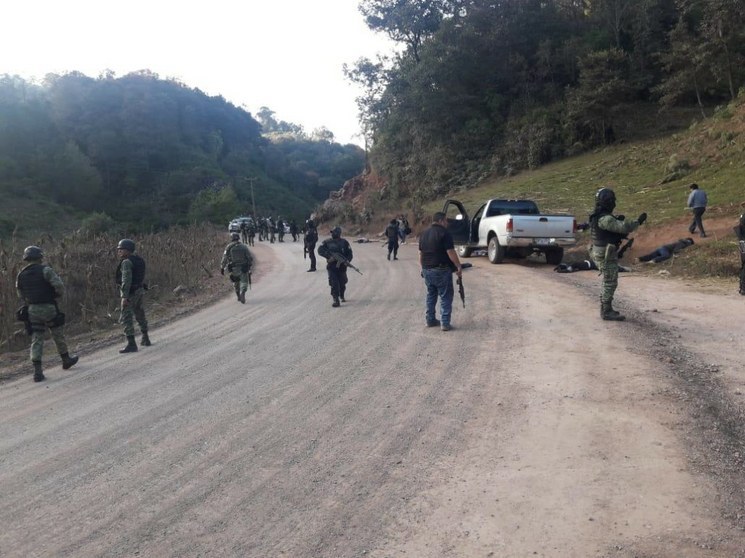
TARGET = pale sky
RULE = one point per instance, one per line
(283, 54)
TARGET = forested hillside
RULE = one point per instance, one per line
(141, 153)
(483, 87)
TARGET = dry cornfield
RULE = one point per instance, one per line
(183, 256)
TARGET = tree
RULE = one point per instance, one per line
(602, 88)
(405, 21)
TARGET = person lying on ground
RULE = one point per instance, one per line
(666, 252)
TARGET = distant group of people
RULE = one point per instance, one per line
(40, 288)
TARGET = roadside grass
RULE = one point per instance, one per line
(649, 176)
(181, 256)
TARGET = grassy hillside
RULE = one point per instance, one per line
(651, 176)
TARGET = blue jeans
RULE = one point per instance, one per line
(439, 283)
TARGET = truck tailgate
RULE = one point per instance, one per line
(542, 226)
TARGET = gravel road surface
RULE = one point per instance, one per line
(286, 427)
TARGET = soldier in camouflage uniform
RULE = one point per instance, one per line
(607, 233)
(130, 277)
(337, 271)
(237, 258)
(39, 287)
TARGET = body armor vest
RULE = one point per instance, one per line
(34, 287)
(138, 272)
(601, 237)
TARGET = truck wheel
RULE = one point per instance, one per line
(555, 256)
(464, 251)
(495, 251)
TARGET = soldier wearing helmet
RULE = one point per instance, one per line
(740, 233)
(130, 277)
(607, 232)
(309, 242)
(237, 258)
(337, 271)
(40, 287)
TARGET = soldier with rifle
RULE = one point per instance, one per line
(608, 231)
(237, 258)
(40, 287)
(309, 243)
(130, 277)
(338, 254)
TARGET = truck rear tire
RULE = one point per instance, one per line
(464, 251)
(554, 256)
(495, 251)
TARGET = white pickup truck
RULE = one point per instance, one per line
(510, 228)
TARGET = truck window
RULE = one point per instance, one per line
(512, 207)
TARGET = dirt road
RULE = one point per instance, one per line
(286, 427)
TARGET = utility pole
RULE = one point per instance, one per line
(253, 200)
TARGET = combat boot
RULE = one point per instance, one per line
(145, 341)
(68, 361)
(131, 345)
(336, 302)
(238, 295)
(607, 313)
(242, 297)
(38, 372)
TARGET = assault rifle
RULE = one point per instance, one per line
(305, 250)
(622, 250)
(341, 260)
(461, 291)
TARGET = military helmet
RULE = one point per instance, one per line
(126, 244)
(605, 198)
(235, 236)
(310, 223)
(335, 232)
(32, 253)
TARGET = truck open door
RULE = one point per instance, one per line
(459, 225)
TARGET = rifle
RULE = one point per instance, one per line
(342, 260)
(461, 291)
(305, 250)
(249, 279)
(621, 251)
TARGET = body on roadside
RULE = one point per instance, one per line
(666, 251)
(438, 260)
(238, 261)
(335, 267)
(607, 232)
(40, 287)
(130, 277)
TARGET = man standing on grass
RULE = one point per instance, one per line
(697, 203)
(438, 260)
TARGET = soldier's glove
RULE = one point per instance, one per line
(621, 217)
(642, 218)
(222, 271)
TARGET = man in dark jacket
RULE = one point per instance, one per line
(438, 260)
(391, 233)
(666, 252)
(40, 287)
(130, 277)
(336, 249)
(740, 233)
